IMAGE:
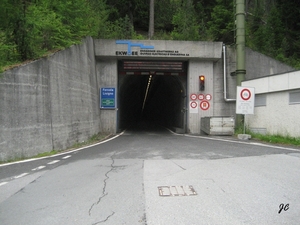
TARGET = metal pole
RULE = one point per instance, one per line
(244, 124)
(240, 49)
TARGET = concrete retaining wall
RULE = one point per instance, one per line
(25, 111)
(49, 104)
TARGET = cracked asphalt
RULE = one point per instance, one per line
(117, 181)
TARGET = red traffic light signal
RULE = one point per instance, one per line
(202, 82)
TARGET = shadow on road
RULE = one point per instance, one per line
(146, 127)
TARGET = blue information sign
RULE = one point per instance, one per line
(108, 98)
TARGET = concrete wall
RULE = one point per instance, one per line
(181, 49)
(25, 111)
(197, 68)
(257, 65)
(107, 73)
(74, 95)
(221, 107)
(278, 116)
(50, 103)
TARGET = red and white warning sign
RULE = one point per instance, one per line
(193, 96)
(201, 97)
(204, 105)
(208, 97)
(245, 100)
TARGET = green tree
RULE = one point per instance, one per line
(221, 25)
(273, 28)
(28, 29)
(164, 15)
(185, 24)
(46, 30)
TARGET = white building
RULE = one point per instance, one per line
(277, 104)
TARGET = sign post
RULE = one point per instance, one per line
(245, 101)
(108, 98)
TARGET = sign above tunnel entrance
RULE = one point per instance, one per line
(108, 98)
(130, 45)
(147, 50)
(152, 49)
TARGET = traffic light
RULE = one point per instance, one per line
(202, 82)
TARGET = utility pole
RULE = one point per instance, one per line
(240, 49)
(151, 20)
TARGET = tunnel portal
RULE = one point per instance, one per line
(152, 92)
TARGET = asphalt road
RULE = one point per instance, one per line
(148, 175)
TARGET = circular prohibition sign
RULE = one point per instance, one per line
(201, 97)
(204, 105)
(193, 105)
(193, 96)
(245, 94)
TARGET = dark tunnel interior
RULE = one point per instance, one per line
(154, 99)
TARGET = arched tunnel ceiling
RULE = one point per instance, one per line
(164, 103)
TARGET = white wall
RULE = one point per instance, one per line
(278, 116)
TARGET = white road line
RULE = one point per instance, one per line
(236, 141)
(21, 175)
(64, 153)
(38, 168)
(68, 156)
(3, 183)
(53, 162)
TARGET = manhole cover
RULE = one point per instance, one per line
(176, 190)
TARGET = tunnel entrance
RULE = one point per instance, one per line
(152, 92)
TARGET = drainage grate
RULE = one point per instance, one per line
(166, 191)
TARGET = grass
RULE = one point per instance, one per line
(268, 138)
(277, 139)
(92, 140)
(53, 152)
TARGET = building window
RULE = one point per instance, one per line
(260, 100)
(294, 97)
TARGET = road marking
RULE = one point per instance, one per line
(68, 156)
(3, 183)
(53, 162)
(38, 168)
(21, 175)
(236, 141)
(64, 153)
